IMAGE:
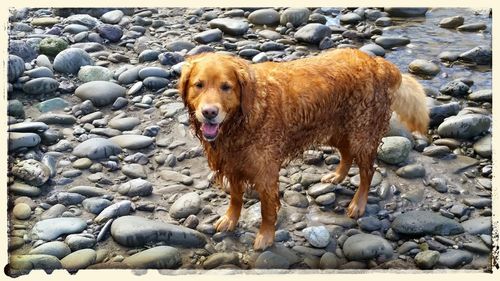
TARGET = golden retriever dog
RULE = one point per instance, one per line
(250, 118)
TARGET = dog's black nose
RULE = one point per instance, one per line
(210, 112)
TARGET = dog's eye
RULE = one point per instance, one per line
(198, 85)
(225, 87)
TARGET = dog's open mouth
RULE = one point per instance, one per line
(210, 131)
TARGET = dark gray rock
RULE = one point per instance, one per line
(388, 42)
(480, 55)
(455, 258)
(133, 231)
(40, 86)
(230, 26)
(101, 93)
(96, 148)
(70, 60)
(15, 68)
(313, 33)
(295, 16)
(417, 223)
(367, 246)
(464, 126)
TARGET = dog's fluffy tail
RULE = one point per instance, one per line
(410, 105)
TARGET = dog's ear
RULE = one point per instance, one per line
(182, 84)
(246, 81)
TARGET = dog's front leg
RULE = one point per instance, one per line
(229, 221)
(270, 204)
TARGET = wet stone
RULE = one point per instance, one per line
(425, 222)
(135, 231)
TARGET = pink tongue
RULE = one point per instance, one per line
(209, 129)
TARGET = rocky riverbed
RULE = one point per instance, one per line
(104, 171)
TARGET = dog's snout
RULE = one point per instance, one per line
(210, 112)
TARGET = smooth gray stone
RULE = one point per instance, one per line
(50, 229)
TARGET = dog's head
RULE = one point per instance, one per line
(216, 88)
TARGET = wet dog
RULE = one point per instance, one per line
(250, 118)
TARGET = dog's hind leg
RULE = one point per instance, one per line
(229, 221)
(364, 159)
(345, 164)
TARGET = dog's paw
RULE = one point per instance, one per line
(225, 223)
(332, 177)
(356, 209)
(263, 240)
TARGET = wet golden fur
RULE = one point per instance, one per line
(274, 111)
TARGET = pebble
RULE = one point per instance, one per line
(295, 16)
(136, 187)
(270, 260)
(176, 177)
(394, 150)
(269, 17)
(113, 33)
(57, 249)
(472, 27)
(367, 246)
(411, 171)
(101, 93)
(481, 55)
(369, 224)
(217, 259)
(483, 146)
(39, 86)
(95, 205)
(388, 42)
(21, 211)
(134, 171)
(88, 191)
(208, 36)
(134, 231)
(121, 208)
(96, 148)
(53, 212)
(451, 22)
(18, 188)
(52, 46)
(318, 236)
(427, 259)
(230, 26)
(31, 172)
(90, 73)
(425, 222)
(80, 241)
(15, 68)
(187, 204)
(155, 83)
(112, 17)
(373, 49)
(55, 104)
(29, 262)
(56, 118)
(50, 229)
(312, 33)
(294, 198)
(454, 258)
(464, 126)
(423, 67)
(79, 260)
(406, 12)
(481, 225)
(160, 257)
(20, 140)
(70, 60)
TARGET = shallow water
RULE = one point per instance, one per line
(428, 40)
